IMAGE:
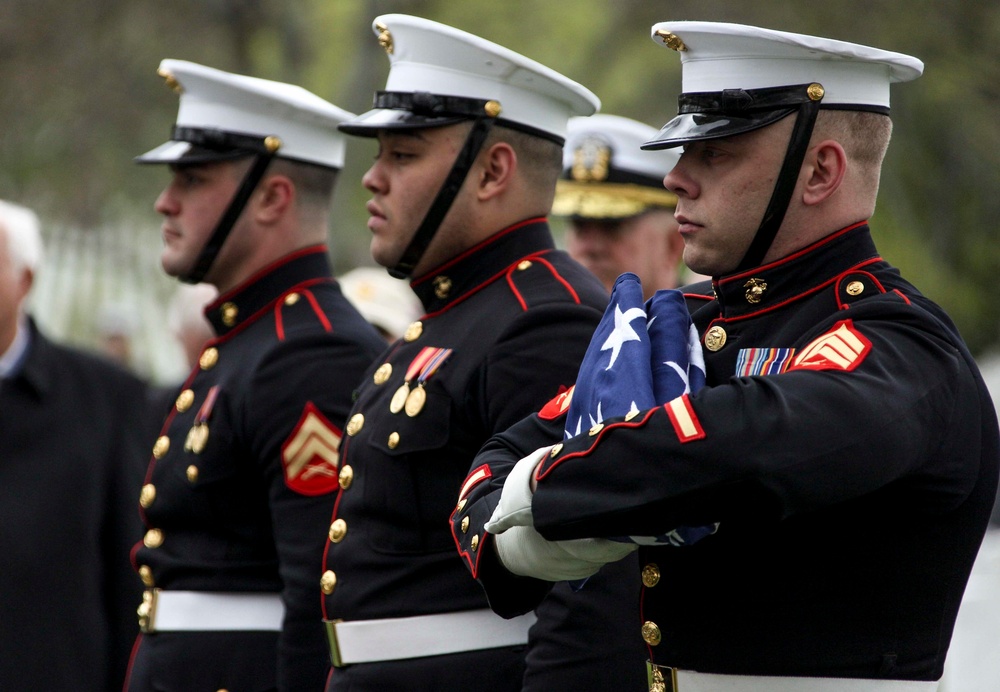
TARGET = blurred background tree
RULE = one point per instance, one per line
(80, 98)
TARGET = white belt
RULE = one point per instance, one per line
(392, 639)
(664, 679)
(169, 611)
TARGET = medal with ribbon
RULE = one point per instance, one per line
(421, 369)
(197, 436)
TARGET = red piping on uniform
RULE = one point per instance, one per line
(697, 295)
(131, 661)
(804, 251)
(311, 250)
(513, 289)
(474, 249)
(841, 304)
(900, 294)
(279, 323)
(796, 297)
(552, 270)
(319, 312)
(634, 423)
(470, 482)
(560, 279)
(484, 284)
(344, 445)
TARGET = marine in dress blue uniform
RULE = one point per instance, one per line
(246, 465)
(845, 443)
(400, 607)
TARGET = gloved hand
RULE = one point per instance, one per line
(524, 551)
(514, 508)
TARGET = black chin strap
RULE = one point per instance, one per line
(481, 127)
(211, 249)
(784, 187)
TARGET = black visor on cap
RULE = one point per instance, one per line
(400, 110)
(194, 145)
(697, 126)
(714, 114)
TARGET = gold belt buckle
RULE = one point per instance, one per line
(331, 638)
(661, 678)
(147, 610)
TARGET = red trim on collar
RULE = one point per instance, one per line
(260, 273)
(474, 249)
(804, 251)
(783, 303)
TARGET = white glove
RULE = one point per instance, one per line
(514, 508)
(524, 551)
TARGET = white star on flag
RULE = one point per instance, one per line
(648, 368)
(622, 332)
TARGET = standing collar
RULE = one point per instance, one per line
(235, 307)
(800, 273)
(480, 264)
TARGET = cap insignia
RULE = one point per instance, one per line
(384, 37)
(591, 160)
(170, 80)
(671, 40)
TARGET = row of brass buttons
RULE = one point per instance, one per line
(650, 630)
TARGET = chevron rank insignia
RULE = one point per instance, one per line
(311, 454)
(558, 405)
(841, 348)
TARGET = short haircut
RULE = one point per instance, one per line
(540, 158)
(864, 135)
(22, 229)
(314, 183)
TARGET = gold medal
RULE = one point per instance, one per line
(197, 438)
(415, 401)
(202, 439)
(399, 398)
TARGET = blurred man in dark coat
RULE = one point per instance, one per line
(72, 441)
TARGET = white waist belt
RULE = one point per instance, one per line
(663, 679)
(392, 639)
(171, 611)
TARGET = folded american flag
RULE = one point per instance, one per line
(641, 356)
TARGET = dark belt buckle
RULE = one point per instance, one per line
(661, 678)
(331, 638)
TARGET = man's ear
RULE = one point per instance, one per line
(824, 173)
(496, 170)
(275, 195)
